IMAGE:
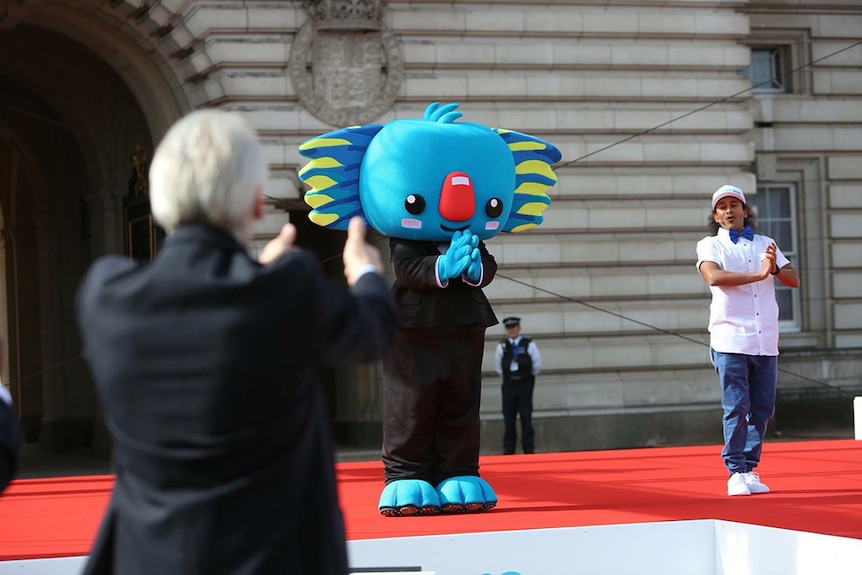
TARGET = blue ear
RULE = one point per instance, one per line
(333, 174)
(443, 114)
(533, 176)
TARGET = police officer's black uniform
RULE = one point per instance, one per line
(518, 395)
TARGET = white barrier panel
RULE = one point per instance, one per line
(703, 547)
(73, 565)
(857, 416)
(57, 566)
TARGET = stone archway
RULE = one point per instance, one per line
(81, 84)
(20, 186)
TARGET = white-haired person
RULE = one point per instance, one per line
(221, 443)
(740, 268)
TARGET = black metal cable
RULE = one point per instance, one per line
(702, 108)
(662, 330)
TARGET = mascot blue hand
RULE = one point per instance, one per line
(474, 269)
(456, 259)
(473, 240)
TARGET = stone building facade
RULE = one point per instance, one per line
(653, 104)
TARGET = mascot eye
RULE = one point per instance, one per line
(415, 204)
(494, 207)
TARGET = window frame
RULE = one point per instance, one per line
(765, 220)
(794, 46)
(779, 58)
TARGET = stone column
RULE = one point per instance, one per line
(106, 221)
(359, 390)
(53, 436)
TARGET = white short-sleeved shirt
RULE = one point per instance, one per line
(742, 319)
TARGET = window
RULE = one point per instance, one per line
(768, 69)
(776, 217)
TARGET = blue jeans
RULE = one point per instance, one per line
(748, 400)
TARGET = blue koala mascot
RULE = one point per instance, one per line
(437, 188)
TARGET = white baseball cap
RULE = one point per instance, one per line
(725, 191)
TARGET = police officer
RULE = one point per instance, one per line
(518, 361)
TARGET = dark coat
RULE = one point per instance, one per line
(423, 304)
(433, 377)
(207, 365)
(10, 443)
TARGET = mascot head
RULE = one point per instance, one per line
(423, 179)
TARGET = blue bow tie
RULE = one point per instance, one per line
(746, 233)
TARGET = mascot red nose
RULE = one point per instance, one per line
(457, 199)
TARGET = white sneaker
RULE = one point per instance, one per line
(737, 485)
(752, 481)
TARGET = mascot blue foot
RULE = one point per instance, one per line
(408, 497)
(465, 494)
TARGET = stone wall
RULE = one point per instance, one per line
(647, 104)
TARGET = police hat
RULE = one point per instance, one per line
(511, 321)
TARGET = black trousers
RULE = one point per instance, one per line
(518, 402)
(432, 387)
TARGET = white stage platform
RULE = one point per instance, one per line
(703, 547)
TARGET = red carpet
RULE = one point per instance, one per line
(816, 487)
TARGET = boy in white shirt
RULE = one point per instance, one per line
(739, 267)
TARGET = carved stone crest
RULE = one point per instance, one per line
(345, 66)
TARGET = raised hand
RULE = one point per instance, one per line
(359, 255)
(474, 269)
(456, 259)
(767, 264)
(279, 245)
